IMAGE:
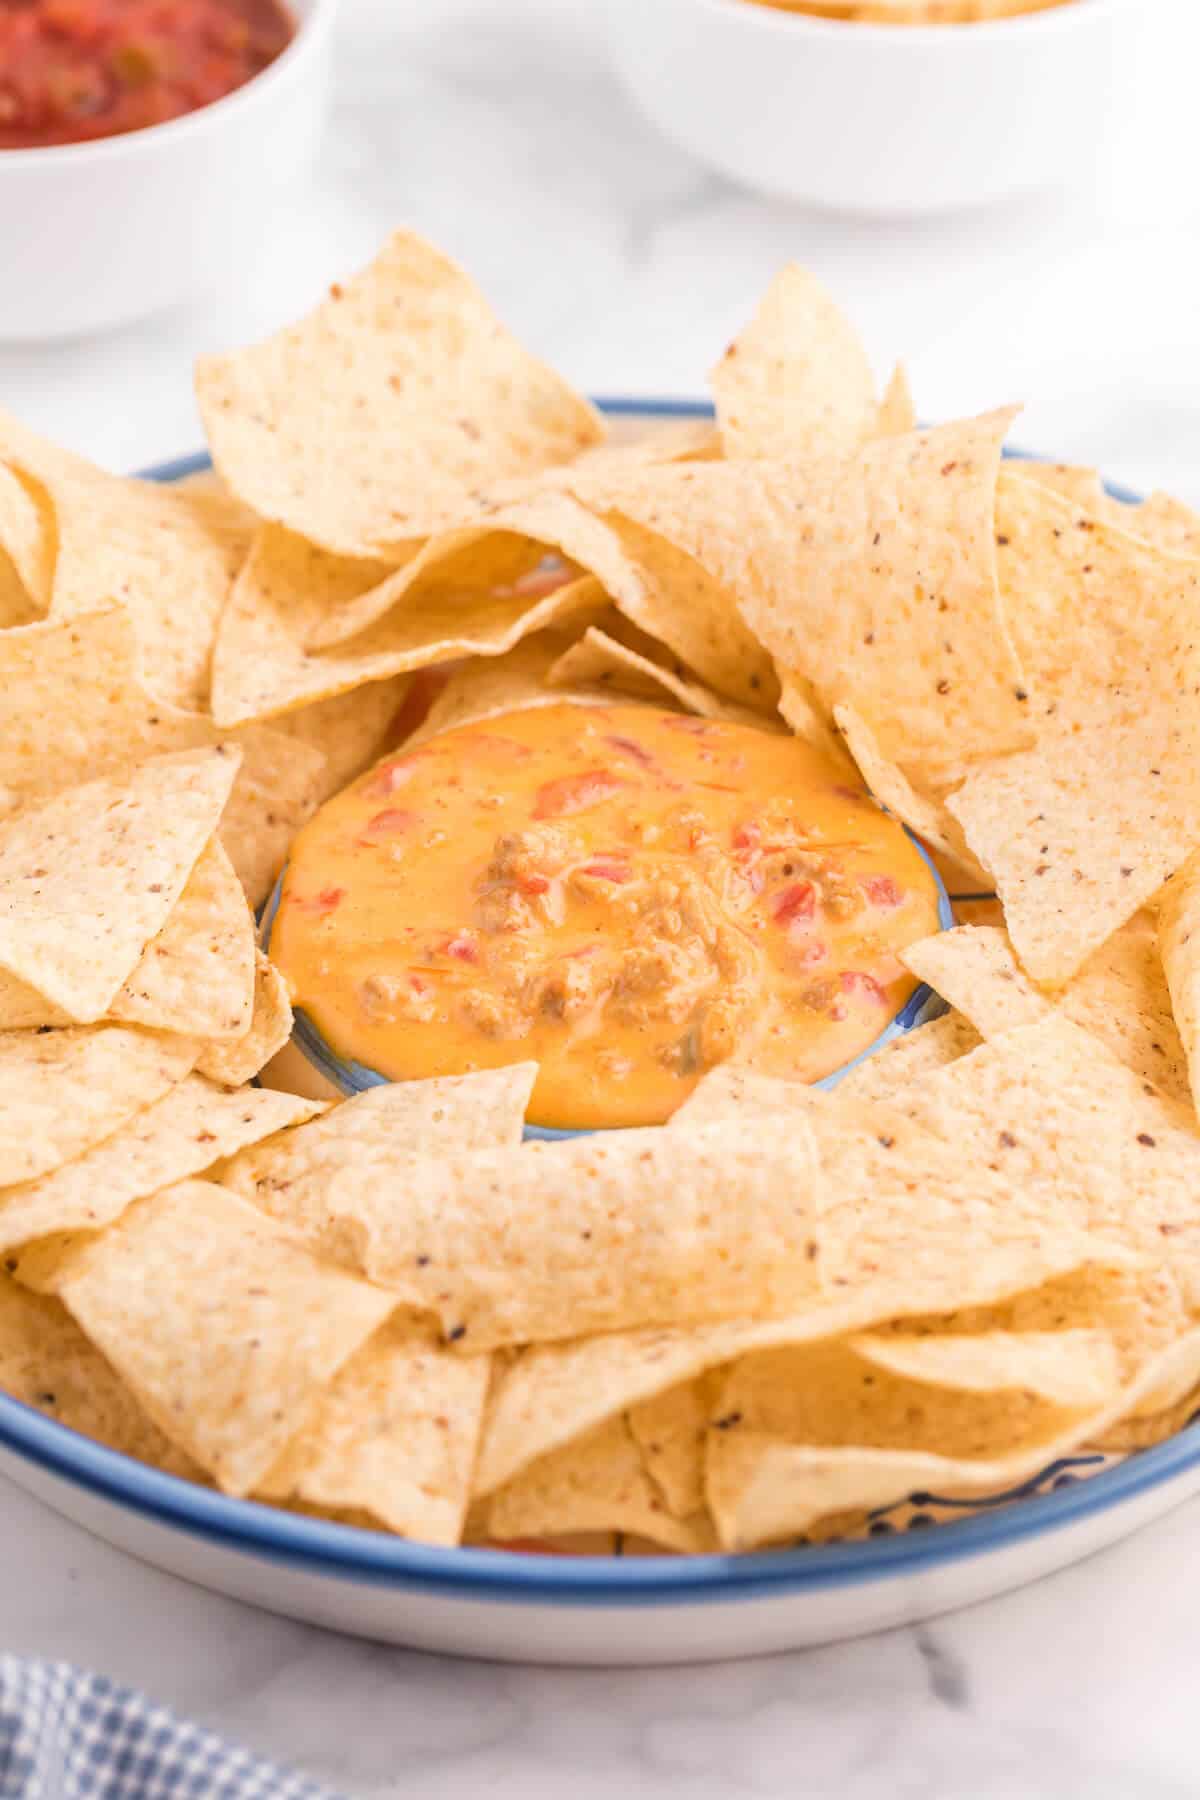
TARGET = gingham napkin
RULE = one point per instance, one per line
(68, 1735)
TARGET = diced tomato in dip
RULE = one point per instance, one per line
(622, 902)
(71, 70)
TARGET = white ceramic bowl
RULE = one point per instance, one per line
(881, 118)
(101, 233)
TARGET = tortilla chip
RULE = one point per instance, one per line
(975, 971)
(1052, 1111)
(1101, 619)
(848, 572)
(832, 1431)
(922, 814)
(1120, 995)
(1167, 524)
(1072, 1368)
(88, 878)
(1179, 940)
(796, 383)
(26, 552)
(897, 414)
(488, 686)
(73, 707)
(261, 666)
(192, 1126)
(601, 1233)
(196, 976)
(660, 590)
(225, 1330)
(733, 1094)
(906, 1059)
(597, 1484)
(552, 1394)
(48, 1364)
(1082, 487)
(368, 424)
(63, 1091)
(305, 1178)
(238, 1060)
(350, 731)
(168, 557)
(635, 441)
(1082, 831)
(395, 1435)
(600, 661)
(670, 1432)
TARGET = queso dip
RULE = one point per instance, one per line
(623, 895)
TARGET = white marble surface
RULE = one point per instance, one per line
(496, 129)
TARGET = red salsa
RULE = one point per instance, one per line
(71, 70)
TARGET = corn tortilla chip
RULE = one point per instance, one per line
(826, 1399)
(239, 1060)
(168, 557)
(192, 1126)
(90, 876)
(350, 731)
(47, 1363)
(796, 381)
(226, 1331)
(1120, 995)
(1067, 1368)
(849, 571)
(488, 686)
(897, 414)
(1052, 1111)
(299, 1177)
(670, 1432)
(73, 707)
(551, 1240)
(1179, 938)
(26, 552)
(1082, 831)
(261, 667)
(908, 1058)
(368, 423)
(600, 661)
(395, 1435)
(731, 1093)
(597, 1484)
(922, 814)
(63, 1091)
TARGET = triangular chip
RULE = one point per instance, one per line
(168, 556)
(226, 1331)
(73, 706)
(62, 1091)
(1179, 939)
(194, 1125)
(90, 876)
(395, 1435)
(368, 423)
(796, 381)
(240, 1059)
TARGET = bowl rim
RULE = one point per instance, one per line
(1071, 16)
(347, 1553)
(312, 28)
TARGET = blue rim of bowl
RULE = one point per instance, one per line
(350, 1077)
(348, 1554)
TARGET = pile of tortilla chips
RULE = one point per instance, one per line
(784, 1309)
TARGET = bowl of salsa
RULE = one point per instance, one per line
(626, 896)
(145, 145)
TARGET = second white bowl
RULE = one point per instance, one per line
(880, 118)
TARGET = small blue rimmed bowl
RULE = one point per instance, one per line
(350, 1077)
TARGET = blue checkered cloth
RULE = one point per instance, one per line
(68, 1735)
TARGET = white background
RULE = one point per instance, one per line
(497, 130)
